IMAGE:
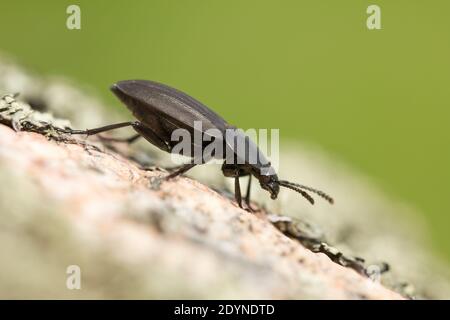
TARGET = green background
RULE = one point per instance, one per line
(377, 99)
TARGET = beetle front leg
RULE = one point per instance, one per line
(247, 195)
(234, 171)
(237, 191)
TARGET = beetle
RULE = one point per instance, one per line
(160, 109)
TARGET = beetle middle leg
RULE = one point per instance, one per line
(155, 182)
(184, 168)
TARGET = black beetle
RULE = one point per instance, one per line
(161, 109)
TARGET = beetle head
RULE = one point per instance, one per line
(271, 184)
(269, 181)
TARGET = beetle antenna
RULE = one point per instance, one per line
(292, 185)
(295, 188)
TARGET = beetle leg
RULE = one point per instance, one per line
(90, 132)
(127, 140)
(234, 171)
(174, 168)
(182, 170)
(237, 191)
(247, 195)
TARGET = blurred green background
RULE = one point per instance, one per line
(377, 99)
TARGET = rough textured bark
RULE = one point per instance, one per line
(102, 212)
(71, 201)
(183, 235)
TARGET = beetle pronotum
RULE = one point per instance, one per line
(161, 109)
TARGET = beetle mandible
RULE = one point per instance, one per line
(160, 109)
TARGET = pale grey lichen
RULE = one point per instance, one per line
(20, 116)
